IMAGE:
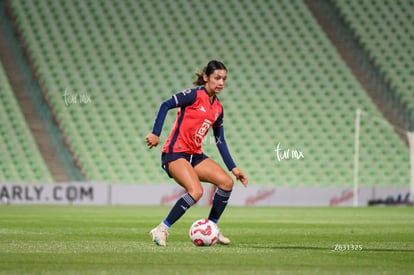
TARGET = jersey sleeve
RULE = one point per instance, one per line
(185, 98)
(161, 114)
(181, 99)
(221, 143)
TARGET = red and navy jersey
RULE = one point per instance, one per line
(196, 115)
(194, 118)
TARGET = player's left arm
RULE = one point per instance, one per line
(225, 153)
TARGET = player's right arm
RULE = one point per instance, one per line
(181, 99)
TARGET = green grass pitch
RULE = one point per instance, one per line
(265, 240)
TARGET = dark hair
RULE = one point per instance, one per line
(208, 70)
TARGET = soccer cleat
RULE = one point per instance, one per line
(221, 239)
(159, 235)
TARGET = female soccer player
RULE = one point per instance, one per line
(182, 156)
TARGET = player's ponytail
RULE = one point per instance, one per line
(208, 70)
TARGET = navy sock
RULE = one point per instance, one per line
(220, 201)
(182, 204)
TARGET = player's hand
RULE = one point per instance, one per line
(240, 176)
(152, 140)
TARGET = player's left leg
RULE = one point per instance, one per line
(209, 171)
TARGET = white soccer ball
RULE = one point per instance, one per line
(203, 232)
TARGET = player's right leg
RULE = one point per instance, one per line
(185, 175)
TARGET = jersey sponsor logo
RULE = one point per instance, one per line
(202, 131)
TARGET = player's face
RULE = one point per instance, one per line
(216, 81)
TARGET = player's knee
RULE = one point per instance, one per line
(227, 184)
(196, 193)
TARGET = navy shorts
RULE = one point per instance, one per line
(193, 159)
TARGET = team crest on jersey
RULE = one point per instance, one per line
(216, 115)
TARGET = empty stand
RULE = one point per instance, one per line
(384, 28)
(20, 159)
(106, 67)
